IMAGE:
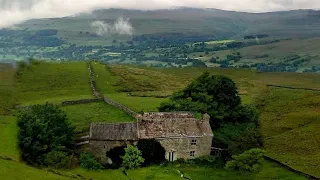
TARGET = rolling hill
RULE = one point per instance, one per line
(217, 23)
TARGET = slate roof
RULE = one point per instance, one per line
(113, 131)
(173, 128)
(167, 115)
(153, 125)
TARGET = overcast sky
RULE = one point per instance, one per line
(16, 11)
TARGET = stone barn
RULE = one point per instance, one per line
(179, 133)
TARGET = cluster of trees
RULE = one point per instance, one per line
(171, 38)
(225, 63)
(47, 32)
(43, 41)
(46, 138)
(288, 64)
(235, 125)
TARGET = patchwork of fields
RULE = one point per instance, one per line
(289, 119)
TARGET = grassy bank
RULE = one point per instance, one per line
(53, 82)
(290, 121)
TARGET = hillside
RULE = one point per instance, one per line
(289, 123)
(130, 86)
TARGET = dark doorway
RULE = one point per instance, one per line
(115, 155)
(152, 151)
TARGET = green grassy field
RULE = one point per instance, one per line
(83, 114)
(269, 171)
(19, 171)
(290, 121)
(141, 93)
(8, 94)
(138, 104)
(53, 82)
(9, 135)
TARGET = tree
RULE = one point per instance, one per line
(133, 157)
(57, 159)
(237, 137)
(89, 162)
(216, 95)
(250, 160)
(44, 129)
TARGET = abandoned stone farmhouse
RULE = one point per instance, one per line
(180, 134)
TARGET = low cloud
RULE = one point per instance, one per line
(119, 27)
(16, 11)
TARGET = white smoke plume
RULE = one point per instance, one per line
(119, 27)
(100, 27)
(123, 27)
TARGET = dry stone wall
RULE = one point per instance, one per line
(120, 106)
(93, 85)
(81, 101)
(98, 95)
(296, 88)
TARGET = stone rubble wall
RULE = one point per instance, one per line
(98, 95)
(295, 88)
(81, 101)
(93, 85)
(120, 106)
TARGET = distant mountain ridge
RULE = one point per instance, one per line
(218, 23)
(227, 24)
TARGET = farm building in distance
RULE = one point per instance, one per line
(179, 133)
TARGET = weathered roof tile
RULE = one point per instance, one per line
(115, 131)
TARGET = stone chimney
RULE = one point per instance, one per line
(206, 117)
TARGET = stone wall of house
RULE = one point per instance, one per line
(100, 148)
(182, 147)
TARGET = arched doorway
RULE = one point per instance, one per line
(152, 151)
(114, 157)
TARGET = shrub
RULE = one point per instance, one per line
(43, 129)
(203, 161)
(180, 161)
(89, 162)
(57, 160)
(250, 160)
(133, 157)
(238, 137)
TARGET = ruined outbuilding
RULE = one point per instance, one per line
(180, 134)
